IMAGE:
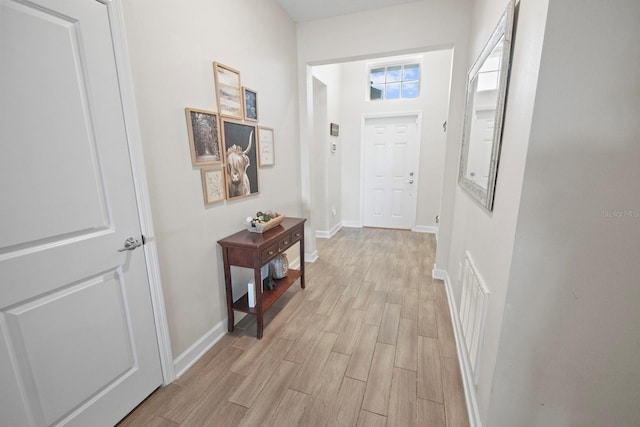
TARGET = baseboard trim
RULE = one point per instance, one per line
(425, 229)
(328, 234)
(352, 224)
(439, 274)
(191, 355)
(312, 257)
(463, 359)
(295, 264)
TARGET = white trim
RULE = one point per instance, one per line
(439, 274)
(363, 122)
(352, 224)
(295, 264)
(463, 359)
(191, 355)
(430, 229)
(312, 257)
(329, 234)
(132, 127)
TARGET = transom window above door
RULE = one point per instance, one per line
(400, 81)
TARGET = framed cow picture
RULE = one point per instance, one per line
(240, 158)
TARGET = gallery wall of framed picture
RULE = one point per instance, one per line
(228, 145)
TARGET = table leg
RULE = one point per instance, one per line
(229, 290)
(257, 277)
(302, 261)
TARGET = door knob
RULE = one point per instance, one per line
(410, 181)
(130, 244)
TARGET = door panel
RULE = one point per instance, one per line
(390, 166)
(97, 334)
(78, 344)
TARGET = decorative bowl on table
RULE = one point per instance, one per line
(263, 221)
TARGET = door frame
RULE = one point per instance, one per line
(363, 122)
(134, 144)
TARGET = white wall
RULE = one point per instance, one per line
(409, 28)
(433, 102)
(489, 237)
(172, 47)
(569, 348)
(327, 165)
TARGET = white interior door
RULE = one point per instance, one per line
(391, 161)
(78, 344)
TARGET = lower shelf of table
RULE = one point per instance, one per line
(268, 297)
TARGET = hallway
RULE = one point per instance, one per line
(369, 342)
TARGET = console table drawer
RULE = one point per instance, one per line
(297, 234)
(269, 253)
(284, 242)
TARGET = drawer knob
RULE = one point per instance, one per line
(297, 234)
(286, 242)
(271, 252)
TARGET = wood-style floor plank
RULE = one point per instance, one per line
(290, 409)
(427, 326)
(306, 379)
(375, 308)
(429, 370)
(368, 343)
(445, 327)
(347, 338)
(272, 393)
(431, 414)
(252, 386)
(409, 304)
(407, 348)
(301, 348)
(229, 415)
(376, 396)
(369, 419)
(402, 402)
(326, 391)
(454, 402)
(388, 333)
(349, 402)
(363, 353)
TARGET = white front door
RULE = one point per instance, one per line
(391, 171)
(78, 344)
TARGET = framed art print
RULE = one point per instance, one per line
(213, 185)
(204, 137)
(239, 141)
(250, 103)
(266, 153)
(228, 91)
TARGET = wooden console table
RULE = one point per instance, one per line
(253, 250)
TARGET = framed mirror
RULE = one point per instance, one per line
(484, 113)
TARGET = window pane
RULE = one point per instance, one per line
(377, 76)
(394, 74)
(393, 91)
(376, 92)
(411, 72)
(410, 89)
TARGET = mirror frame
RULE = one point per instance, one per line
(504, 30)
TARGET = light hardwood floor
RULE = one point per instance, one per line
(369, 342)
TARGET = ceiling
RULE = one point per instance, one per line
(309, 10)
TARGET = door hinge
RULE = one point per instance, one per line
(144, 240)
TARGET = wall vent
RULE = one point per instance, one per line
(473, 313)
